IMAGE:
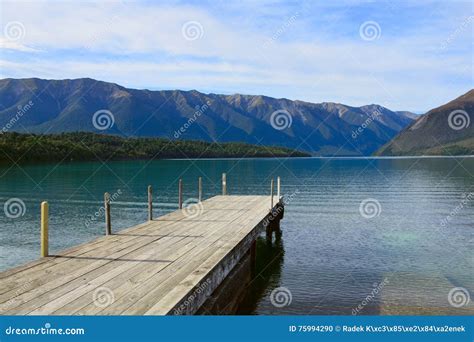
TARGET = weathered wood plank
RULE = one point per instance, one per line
(63, 274)
(151, 268)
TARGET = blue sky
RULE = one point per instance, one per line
(405, 55)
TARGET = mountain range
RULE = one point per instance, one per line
(55, 106)
(445, 130)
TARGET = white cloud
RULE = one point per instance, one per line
(12, 45)
(142, 45)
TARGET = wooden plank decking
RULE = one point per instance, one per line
(166, 266)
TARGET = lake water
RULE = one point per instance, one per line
(360, 236)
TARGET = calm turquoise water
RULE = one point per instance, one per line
(416, 248)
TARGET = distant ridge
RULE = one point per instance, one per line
(319, 128)
(446, 130)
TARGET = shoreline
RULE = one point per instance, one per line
(71, 162)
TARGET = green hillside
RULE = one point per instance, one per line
(90, 146)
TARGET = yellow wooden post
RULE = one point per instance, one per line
(44, 229)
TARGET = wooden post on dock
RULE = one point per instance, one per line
(200, 189)
(224, 184)
(108, 225)
(150, 203)
(180, 194)
(278, 187)
(44, 230)
(271, 195)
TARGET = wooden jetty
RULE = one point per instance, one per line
(168, 265)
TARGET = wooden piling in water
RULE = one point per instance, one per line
(150, 203)
(271, 194)
(108, 224)
(200, 189)
(44, 229)
(180, 194)
(278, 187)
(253, 258)
(224, 184)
